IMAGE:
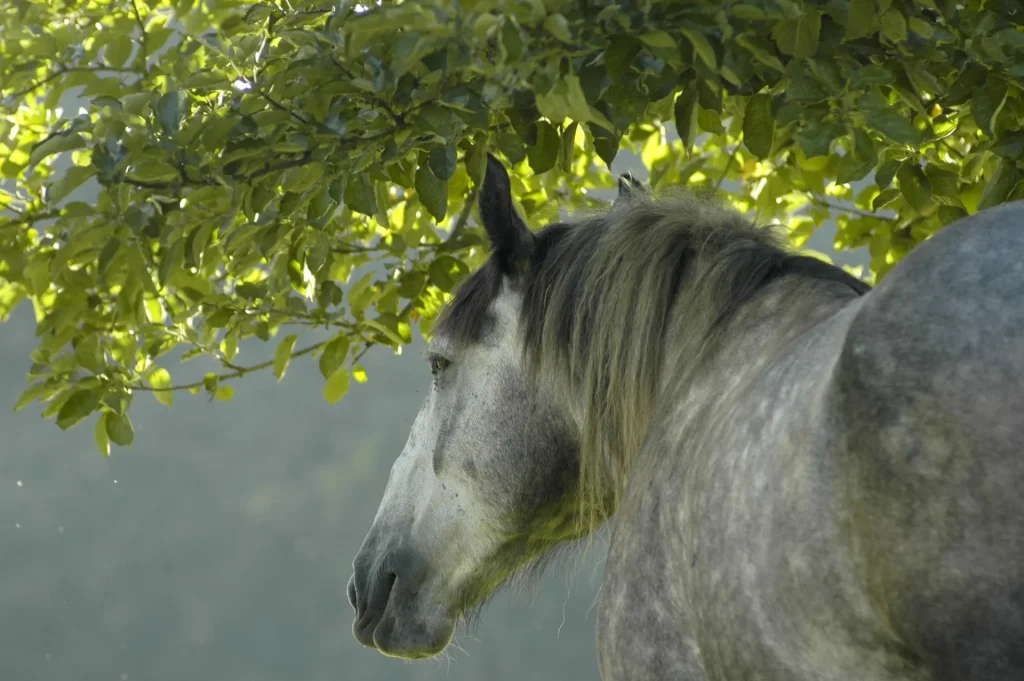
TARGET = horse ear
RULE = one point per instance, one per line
(511, 239)
(629, 187)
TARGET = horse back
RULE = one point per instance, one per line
(929, 389)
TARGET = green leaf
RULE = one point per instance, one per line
(884, 198)
(885, 173)
(658, 40)
(759, 126)
(168, 112)
(476, 162)
(606, 143)
(439, 119)
(816, 137)
(301, 178)
(851, 169)
(283, 355)
(894, 126)
(766, 57)
(999, 187)
(558, 26)
(921, 27)
(950, 214)
(566, 152)
(798, 36)
(862, 20)
(859, 161)
(55, 145)
(88, 353)
(894, 26)
(621, 53)
(442, 161)
(686, 116)
(119, 49)
(32, 393)
(334, 355)
(160, 381)
(702, 47)
(440, 272)
(432, 192)
(870, 75)
(988, 102)
(544, 154)
(119, 428)
(567, 100)
(914, 184)
(69, 182)
(153, 170)
(100, 436)
(79, 404)
(224, 393)
(336, 386)
(943, 182)
(709, 120)
(360, 195)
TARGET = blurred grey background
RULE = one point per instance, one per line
(218, 547)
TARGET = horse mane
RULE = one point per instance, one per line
(597, 300)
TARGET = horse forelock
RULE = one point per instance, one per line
(598, 298)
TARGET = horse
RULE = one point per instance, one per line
(803, 477)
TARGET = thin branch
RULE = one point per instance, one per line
(29, 219)
(284, 165)
(237, 373)
(143, 44)
(463, 218)
(825, 203)
(728, 165)
(277, 105)
(64, 70)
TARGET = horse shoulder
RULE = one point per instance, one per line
(929, 392)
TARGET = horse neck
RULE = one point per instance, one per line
(754, 335)
(705, 370)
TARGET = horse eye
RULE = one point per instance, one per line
(438, 364)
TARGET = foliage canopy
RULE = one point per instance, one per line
(266, 169)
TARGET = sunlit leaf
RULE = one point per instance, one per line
(283, 355)
(160, 381)
(336, 385)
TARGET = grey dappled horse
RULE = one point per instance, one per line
(809, 479)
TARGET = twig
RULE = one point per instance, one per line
(143, 44)
(60, 72)
(277, 105)
(825, 203)
(728, 165)
(237, 373)
(29, 219)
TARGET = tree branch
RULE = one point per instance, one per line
(143, 44)
(237, 373)
(29, 219)
(64, 70)
(728, 164)
(825, 203)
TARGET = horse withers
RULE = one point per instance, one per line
(805, 479)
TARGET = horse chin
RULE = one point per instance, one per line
(406, 630)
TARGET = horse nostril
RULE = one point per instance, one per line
(352, 592)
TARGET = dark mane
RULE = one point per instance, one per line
(598, 296)
(750, 257)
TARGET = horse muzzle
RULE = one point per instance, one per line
(393, 613)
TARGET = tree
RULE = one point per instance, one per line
(265, 169)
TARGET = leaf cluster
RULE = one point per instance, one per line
(310, 165)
